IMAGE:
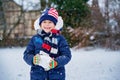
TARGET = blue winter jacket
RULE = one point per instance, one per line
(62, 57)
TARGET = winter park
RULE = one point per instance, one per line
(59, 39)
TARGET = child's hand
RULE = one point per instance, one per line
(53, 64)
(42, 59)
(36, 59)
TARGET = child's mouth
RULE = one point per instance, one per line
(47, 27)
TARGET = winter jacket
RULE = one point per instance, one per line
(62, 57)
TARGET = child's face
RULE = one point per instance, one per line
(47, 25)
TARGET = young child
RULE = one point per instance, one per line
(47, 52)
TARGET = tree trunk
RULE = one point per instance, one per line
(3, 19)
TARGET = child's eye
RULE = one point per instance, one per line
(50, 22)
(44, 21)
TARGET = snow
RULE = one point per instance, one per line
(94, 65)
(12, 66)
(86, 64)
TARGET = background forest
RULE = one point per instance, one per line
(93, 23)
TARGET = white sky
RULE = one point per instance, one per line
(28, 4)
(20, 1)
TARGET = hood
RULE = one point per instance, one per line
(58, 26)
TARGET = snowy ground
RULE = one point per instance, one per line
(96, 64)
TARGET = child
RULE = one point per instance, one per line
(47, 52)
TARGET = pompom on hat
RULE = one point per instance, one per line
(49, 14)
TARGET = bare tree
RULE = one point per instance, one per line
(112, 17)
(5, 9)
(3, 23)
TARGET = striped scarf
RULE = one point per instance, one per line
(50, 41)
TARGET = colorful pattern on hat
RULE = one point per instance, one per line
(49, 14)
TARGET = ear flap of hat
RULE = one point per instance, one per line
(58, 26)
(36, 24)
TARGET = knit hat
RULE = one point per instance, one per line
(49, 14)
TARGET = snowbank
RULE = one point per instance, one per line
(96, 64)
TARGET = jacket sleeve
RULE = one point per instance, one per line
(29, 53)
(65, 53)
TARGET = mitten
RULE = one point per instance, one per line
(42, 59)
(53, 64)
(36, 59)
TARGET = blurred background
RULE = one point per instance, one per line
(93, 23)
